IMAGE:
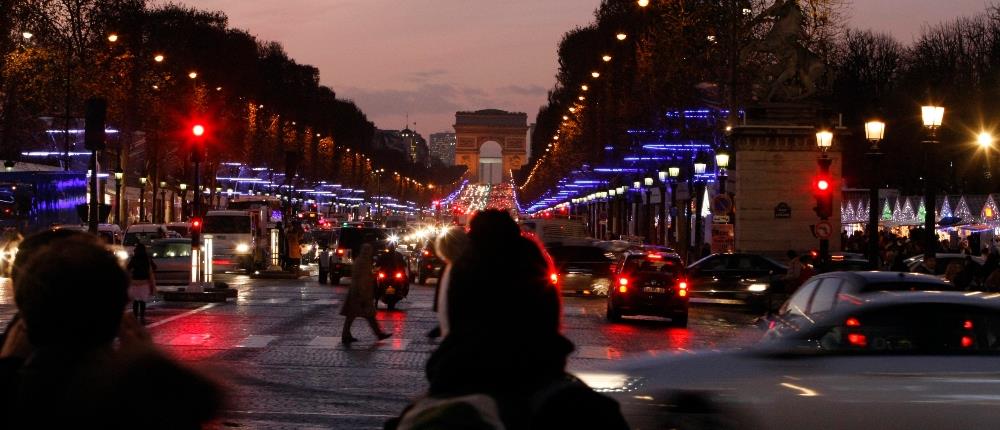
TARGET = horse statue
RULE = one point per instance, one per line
(785, 41)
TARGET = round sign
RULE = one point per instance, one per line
(824, 230)
(722, 204)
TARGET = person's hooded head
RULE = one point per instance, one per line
(70, 291)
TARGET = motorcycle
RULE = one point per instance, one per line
(392, 286)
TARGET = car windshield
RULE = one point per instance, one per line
(227, 224)
(170, 250)
(908, 329)
(655, 264)
(134, 238)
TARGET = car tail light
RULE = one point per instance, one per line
(381, 275)
(654, 256)
(682, 288)
(852, 322)
(967, 325)
(554, 277)
(857, 339)
(340, 251)
(967, 341)
(622, 285)
(399, 275)
(426, 253)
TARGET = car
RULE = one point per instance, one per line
(822, 294)
(736, 279)
(347, 245)
(181, 228)
(143, 233)
(650, 283)
(173, 261)
(842, 263)
(428, 264)
(942, 260)
(308, 247)
(582, 269)
(551, 232)
(890, 361)
(111, 234)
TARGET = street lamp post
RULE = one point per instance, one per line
(674, 173)
(932, 117)
(119, 174)
(824, 140)
(661, 231)
(648, 215)
(634, 208)
(874, 132)
(184, 211)
(161, 214)
(142, 198)
(699, 234)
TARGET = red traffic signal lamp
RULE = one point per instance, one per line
(822, 188)
(196, 225)
(198, 130)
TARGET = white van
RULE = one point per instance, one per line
(233, 239)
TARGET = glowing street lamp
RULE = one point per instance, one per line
(158, 58)
(112, 38)
(643, 3)
(584, 87)
(985, 140)
(932, 116)
(606, 58)
(193, 75)
(27, 35)
(621, 36)
(824, 140)
(595, 74)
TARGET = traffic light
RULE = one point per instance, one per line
(196, 224)
(822, 188)
(198, 142)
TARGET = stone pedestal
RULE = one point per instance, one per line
(775, 164)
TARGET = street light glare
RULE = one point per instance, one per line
(584, 87)
(158, 58)
(621, 36)
(985, 140)
(193, 75)
(112, 38)
(595, 74)
(643, 3)
(27, 35)
(606, 58)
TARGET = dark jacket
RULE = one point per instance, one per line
(101, 389)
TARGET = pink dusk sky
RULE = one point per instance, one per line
(430, 58)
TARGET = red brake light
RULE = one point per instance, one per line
(857, 339)
(682, 288)
(622, 285)
(399, 275)
(427, 253)
(340, 251)
(853, 322)
(622, 281)
(654, 256)
(967, 325)
(966, 342)
(381, 275)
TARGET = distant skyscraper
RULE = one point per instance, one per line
(443, 147)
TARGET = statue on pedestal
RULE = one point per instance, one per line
(798, 69)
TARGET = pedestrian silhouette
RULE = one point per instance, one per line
(360, 301)
(71, 292)
(504, 356)
(141, 268)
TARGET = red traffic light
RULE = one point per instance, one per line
(196, 223)
(198, 130)
(822, 185)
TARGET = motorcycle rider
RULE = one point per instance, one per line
(390, 261)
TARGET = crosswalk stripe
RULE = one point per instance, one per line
(256, 341)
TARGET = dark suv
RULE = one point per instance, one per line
(429, 265)
(582, 269)
(347, 245)
(650, 284)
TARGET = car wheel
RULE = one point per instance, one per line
(613, 314)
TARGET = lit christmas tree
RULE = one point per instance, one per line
(989, 213)
(945, 208)
(921, 212)
(962, 210)
(886, 211)
(905, 215)
(897, 212)
(862, 211)
(847, 213)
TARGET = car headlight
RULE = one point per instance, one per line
(121, 254)
(242, 248)
(757, 287)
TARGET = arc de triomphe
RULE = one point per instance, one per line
(474, 129)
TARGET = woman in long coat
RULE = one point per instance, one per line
(360, 301)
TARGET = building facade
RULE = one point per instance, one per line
(443, 147)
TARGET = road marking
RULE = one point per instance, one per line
(189, 339)
(256, 341)
(182, 315)
(718, 301)
(599, 352)
(324, 342)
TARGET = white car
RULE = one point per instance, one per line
(892, 361)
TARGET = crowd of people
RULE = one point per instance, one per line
(73, 356)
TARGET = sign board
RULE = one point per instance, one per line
(723, 238)
(824, 229)
(720, 219)
(782, 210)
(722, 204)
